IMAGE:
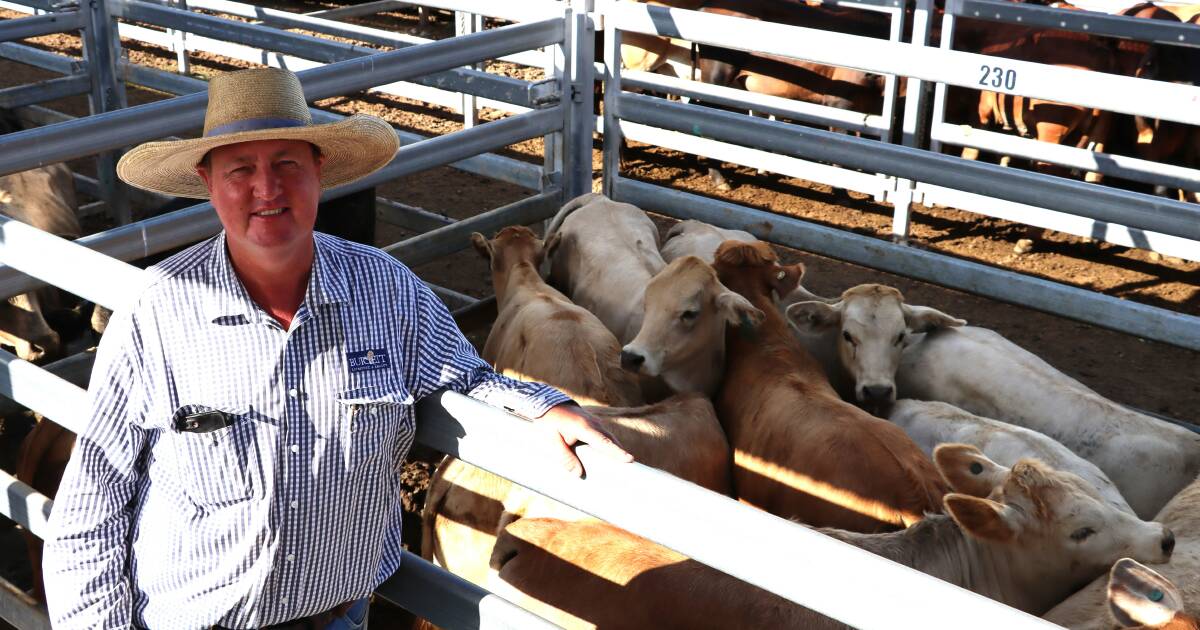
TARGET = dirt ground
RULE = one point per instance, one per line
(1145, 374)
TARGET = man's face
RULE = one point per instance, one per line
(265, 193)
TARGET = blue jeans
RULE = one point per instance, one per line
(354, 619)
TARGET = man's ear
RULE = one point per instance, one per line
(205, 177)
(814, 317)
(481, 245)
(737, 310)
(785, 279)
(981, 518)
(922, 319)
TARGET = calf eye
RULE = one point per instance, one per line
(689, 315)
(1082, 533)
(848, 338)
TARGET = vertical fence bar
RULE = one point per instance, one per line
(180, 42)
(100, 46)
(465, 24)
(553, 165)
(613, 138)
(581, 116)
(939, 94)
(913, 127)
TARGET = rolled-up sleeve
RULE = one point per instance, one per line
(448, 360)
(86, 555)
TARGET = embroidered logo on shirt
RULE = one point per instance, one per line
(367, 360)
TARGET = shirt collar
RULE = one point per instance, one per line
(229, 300)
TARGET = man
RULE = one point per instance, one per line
(250, 413)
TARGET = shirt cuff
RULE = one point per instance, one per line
(530, 400)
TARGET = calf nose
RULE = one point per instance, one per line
(632, 361)
(1168, 543)
(877, 393)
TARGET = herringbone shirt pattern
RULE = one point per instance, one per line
(293, 508)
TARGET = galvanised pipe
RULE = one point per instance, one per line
(1101, 203)
(69, 140)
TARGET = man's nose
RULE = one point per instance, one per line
(266, 183)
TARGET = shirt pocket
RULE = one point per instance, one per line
(375, 416)
(219, 467)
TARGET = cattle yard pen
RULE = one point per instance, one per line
(782, 557)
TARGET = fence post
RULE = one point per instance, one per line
(464, 24)
(556, 68)
(613, 138)
(579, 96)
(915, 126)
(100, 50)
(180, 42)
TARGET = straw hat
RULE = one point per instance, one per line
(260, 104)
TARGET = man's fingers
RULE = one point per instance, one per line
(606, 443)
(567, 458)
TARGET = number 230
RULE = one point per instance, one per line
(997, 77)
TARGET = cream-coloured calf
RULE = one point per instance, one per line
(1039, 536)
(466, 506)
(976, 369)
(885, 347)
(1089, 609)
(697, 238)
(932, 423)
(602, 254)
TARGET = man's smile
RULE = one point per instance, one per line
(270, 212)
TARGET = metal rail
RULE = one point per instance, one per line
(69, 140)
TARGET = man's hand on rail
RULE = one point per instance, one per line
(569, 424)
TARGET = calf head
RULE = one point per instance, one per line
(1049, 529)
(23, 326)
(872, 323)
(513, 246)
(682, 338)
(1139, 597)
(753, 270)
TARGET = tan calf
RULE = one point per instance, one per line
(1040, 534)
(800, 451)
(466, 506)
(541, 335)
(1090, 608)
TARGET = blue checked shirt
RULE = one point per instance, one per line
(295, 507)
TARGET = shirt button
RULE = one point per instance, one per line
(294, 504)
(283, 600)
(291, 557)
(295, 448)
(294, 393)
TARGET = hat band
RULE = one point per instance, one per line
(253, 124)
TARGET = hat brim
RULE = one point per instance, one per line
(353, 148)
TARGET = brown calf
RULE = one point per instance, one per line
(800, 451)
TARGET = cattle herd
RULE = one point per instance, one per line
(893, 427)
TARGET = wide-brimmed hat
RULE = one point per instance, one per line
(260, 104)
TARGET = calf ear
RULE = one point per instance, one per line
(737, 310)
(1138, 596)
(967, 470)
(481, 245)
(981, 518)
(785, 279)
(922, 319)
(814, 317)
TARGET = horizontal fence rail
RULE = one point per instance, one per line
(1108, 92)
(1087, 200)
(778, 555)
(73, 139)
(1090, 22)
